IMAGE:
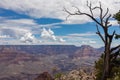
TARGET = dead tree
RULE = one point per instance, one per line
(110, 53)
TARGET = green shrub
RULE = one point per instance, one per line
(115, 73)
(58, 75)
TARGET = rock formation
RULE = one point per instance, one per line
(77, 75)
(44, 76)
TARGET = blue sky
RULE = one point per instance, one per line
(37, 22)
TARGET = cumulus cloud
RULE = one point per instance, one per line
(17, 34)
(49, 34)
(50, 31)
(28, 38)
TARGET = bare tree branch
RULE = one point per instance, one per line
(98, 32)
(90, 7)
(106, 22)
(111, 37)
(115, 54)
(115, 48)
(68, 13)
(110, 25)
(101, 13)
(81, 13)
(105, 13)
(77, 9)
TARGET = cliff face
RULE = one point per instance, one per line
(86, 50)
(42, 49)
(11, 55)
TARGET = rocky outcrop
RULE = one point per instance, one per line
(44, 76)
(86, 50)
(77, 75)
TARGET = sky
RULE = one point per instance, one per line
(43, 22)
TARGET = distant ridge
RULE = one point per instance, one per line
(84, 50)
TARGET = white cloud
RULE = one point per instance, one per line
(4, 36)
(79, 39)
(53, 37)
(84, 43)
(21, 21)
(41, 8)
(50, 31)
(92, 42)
(28, 37)
(24, 24)
(83, 34)
(49, 34)
(45, 33)
(13, 32)
(35, 8)
(62, 40)
(114, 22)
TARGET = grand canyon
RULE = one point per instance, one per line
(25, 62)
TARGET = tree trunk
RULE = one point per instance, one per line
(106, 66)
